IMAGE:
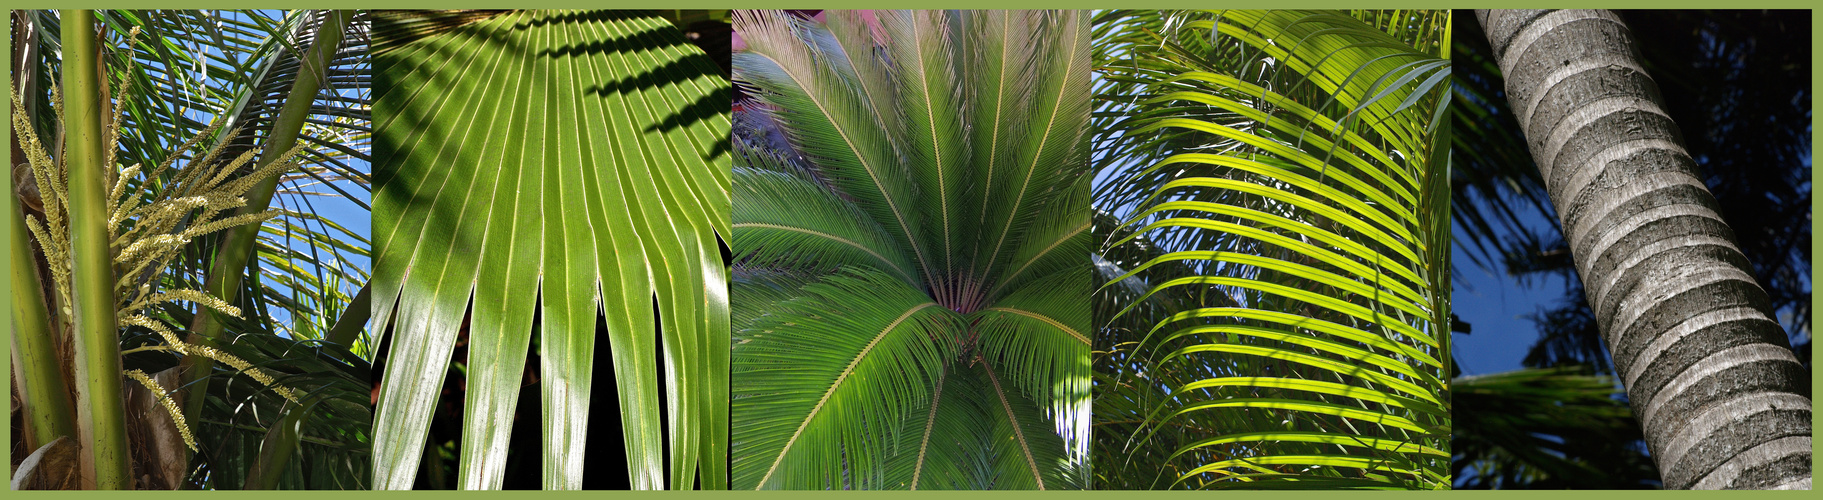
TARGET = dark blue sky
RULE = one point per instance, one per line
(1495, 305)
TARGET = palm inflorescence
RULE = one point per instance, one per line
(205, 160)
(910, 251)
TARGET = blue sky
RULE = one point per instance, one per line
(327, 202)
(1495, 305)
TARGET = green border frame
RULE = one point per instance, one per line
(6, 186)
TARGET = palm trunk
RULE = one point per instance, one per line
(1708, 370)
(49, 413)
(101, 411)
(38, 367)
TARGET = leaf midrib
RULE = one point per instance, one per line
(845, 241)
(872, 175)
(930, 423)
(1013, 420)
(1047, 319)
(1043, 141)
(837, 385)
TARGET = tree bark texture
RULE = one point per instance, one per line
(1711, 376)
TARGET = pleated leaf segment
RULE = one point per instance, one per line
(562, 175)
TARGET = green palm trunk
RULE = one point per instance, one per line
(52, 415)
(99, 398)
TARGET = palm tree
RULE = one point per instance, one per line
(1275, 228)
(147, 154)
(547, 178)
(909, 249)
(1709, 371)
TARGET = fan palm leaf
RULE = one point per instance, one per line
(553, 169)
(1276, 249)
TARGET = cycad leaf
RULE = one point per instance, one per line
(943, 445)
(753, 292)
(941, 148)
(824, 394)
(836, 123)
(575, 156)
(981, 435)
(785, 220)
(1038, 337)
(929, 93)
(1056, 241)
(1027, 452)
(1053, 136)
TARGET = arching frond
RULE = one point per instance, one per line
(1277, 283)
(821, 396)
(784, 220)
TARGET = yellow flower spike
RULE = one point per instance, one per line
(112, 135)
(158, 328)
(230, 168)
(251, 371)
(200, 298)
(208, 131)
(239, 365)
(116, 205)
(237, 220)
(164, 399)
(141, 246)
(60, 275)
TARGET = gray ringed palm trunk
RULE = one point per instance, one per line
(1723, 401)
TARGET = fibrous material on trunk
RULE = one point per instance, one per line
(1708, 369)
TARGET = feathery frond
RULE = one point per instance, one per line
(1276, 282)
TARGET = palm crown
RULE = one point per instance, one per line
(910, 261)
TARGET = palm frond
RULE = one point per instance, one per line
(803, 69)
(1278, 269)
(1546, 428)
(553, 168)
(788, 221)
